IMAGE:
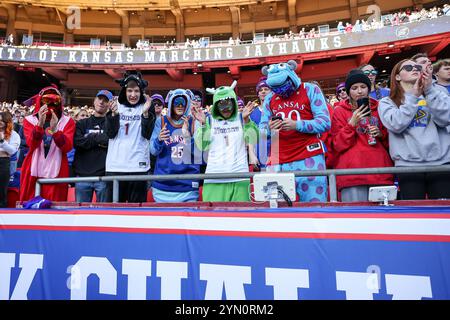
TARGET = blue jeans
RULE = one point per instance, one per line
(84, 191)
(12, 167)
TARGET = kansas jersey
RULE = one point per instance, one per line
(227, 151)
(176, 157)
(289, 146)
(129, 151)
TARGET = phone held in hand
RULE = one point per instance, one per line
(362, 101)
(276, 118)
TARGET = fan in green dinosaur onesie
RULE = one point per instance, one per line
(224, 134)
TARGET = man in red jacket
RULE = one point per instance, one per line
(49, 135)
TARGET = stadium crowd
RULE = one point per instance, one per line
(402, 17)
(397, 18)
(290, 126)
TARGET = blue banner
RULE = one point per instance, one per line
(315, 253)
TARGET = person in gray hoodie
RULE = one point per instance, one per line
(416, 115)
(422, 59)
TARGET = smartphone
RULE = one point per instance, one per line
(362, 101)
(277, 118)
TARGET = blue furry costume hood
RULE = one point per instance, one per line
(281, 78)
(186, 94)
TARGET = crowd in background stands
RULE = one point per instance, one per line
(402, 17)
(360, 25)
(421, 105)
(363, 25)
(20, 111)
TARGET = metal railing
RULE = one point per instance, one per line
(331, 174)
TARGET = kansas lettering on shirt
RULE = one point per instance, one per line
(129, 151)
(225, 130)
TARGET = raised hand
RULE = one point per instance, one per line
(247, 111)
(53, 121)
(427, 79)
(147, 104)
(164, 134)
(42, 115)
(358, 114)
(199, 115)
(113, 106)
(417, 89)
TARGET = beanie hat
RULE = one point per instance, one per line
(356, 76)
(158, 97)
(339, 87)
(261, 83)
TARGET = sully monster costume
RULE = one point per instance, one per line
(304, 107)
(224, 135)
(175, 155)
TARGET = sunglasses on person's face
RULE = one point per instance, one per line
(225, 105)
(179, 101)
(341, 90)
(371, 72)
(51, 99)
(197, 99)
(410, 67)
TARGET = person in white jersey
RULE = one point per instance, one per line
(224, 134)
(129, 125)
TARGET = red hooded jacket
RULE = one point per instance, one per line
(34, 136)
(352, 150)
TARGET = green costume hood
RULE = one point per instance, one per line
(223, 93)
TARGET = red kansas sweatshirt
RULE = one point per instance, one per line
(352, 150)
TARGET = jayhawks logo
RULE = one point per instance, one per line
(47, 137)
(421, 118)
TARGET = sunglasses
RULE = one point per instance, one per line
(179, 101)
(225, 104)
(341, 90)
(371, 72)
(410, 67)
(197, 98)
(51, 99)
